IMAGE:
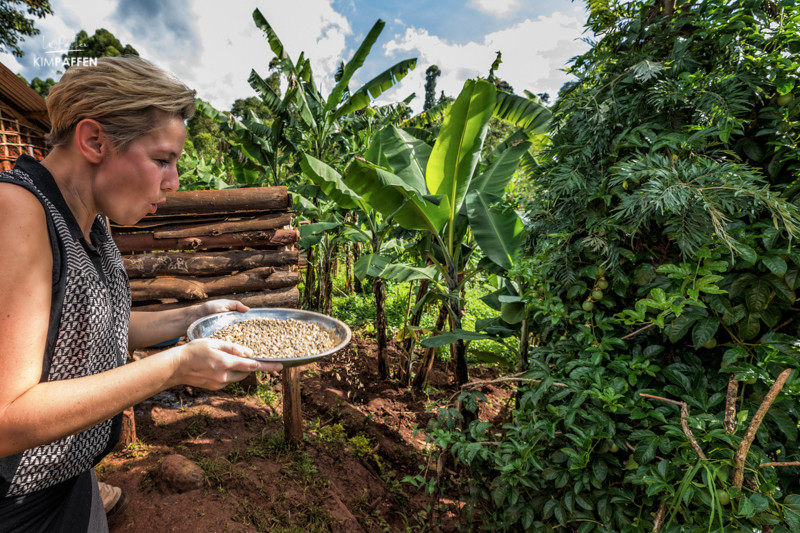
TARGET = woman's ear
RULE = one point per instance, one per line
(91, 140)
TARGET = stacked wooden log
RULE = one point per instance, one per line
(200, 245)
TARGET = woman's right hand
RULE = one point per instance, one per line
(214, 363)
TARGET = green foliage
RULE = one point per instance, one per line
(16, 24)
(431, 74)
(661, 268)
(102, 44)
(42, 86)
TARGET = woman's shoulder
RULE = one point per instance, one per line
(20, 207)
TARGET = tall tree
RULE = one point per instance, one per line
(102, 44)
(431, 74)
(16, 22)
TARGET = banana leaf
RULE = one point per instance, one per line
(453, 336)
(275, 43)
(493, 180)
(388, 194)
(378, 266)
(354, 64)
(426, 117)
(458, 148)
(330, 182)
(500, 234)
(375, 87)
(528, 114)
(267, 94)
(402, 153)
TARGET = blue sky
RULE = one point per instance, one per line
(212, 45)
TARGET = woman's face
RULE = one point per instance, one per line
(134, 181)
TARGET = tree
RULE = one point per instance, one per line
(102, 44)
(662, 277)
(242, 107)
(431, 74)
(42, 86)
(15, 23)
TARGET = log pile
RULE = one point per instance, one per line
(201, 245)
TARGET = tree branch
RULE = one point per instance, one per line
(634, 333)
(730, 404)
(658, 521)
(472, 385)
(684, 424)
(784, 463)
(744, 447)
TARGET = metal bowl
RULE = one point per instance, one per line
(207, 326)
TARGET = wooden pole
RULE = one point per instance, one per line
(146, 242)
(205, 263)
(292, 413)
(287, 297)
(226, 200)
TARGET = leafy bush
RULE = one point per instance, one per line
(661, 280)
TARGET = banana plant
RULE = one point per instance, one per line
(448, 194)
(372, 228)
(314, 118)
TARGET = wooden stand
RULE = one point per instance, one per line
(292, 415)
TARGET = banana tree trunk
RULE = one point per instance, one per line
(425, 366)
(325, 281)
(379, 290)
(310, 289)
(414, 320)
(335, 260)
(459, 347)
(348, 271)
(357, 285)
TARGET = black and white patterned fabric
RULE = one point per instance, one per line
(91, 337)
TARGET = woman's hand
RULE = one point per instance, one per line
(213, 307)
(213, 363)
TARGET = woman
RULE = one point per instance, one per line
(65, 320)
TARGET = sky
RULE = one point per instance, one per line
(213, 45)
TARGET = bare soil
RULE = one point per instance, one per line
(362, 436)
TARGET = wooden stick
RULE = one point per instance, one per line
(205, 263)
(270, 221)
(744, 447)
(288, 297)
(684, 424)
(784, 463)
(220, 201)
(478, 384)
(146, 242)
(634, 333)
(187, 288)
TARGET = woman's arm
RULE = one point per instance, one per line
(34, 413)
(149, 328)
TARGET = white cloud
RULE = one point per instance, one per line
(497, 8)
(533, 52)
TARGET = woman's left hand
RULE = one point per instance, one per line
(213, 307)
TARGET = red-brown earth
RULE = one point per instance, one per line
(361, 437)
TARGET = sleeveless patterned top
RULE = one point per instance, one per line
(88, 332)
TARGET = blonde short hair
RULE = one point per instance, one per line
(127, 95)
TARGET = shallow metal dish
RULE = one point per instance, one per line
(207, 326)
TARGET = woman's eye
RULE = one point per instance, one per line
(162, 162)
